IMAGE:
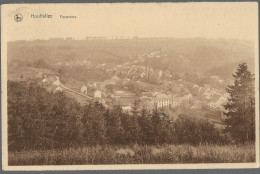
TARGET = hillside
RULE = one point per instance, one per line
(177, 55)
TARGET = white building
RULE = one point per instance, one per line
(45, 81)
(163, 103)
(195, 86)
(217, 101)
(176, 102)
(187, 97)
(162, 100)
(220, 102)
(56, 83)
(58, 89)
(220, 81)
(160, 73)
(142, 75)
(97, 94)
(126, 109)
(39, 75)
(84, 90)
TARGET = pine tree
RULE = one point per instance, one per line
(156, 124)
(135, 108)
(240, 109)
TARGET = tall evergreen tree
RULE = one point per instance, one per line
(240, 109)
(156, 124)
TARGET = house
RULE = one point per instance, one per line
(69, 38)
(207, 86)
(56, 82)
(209, 93)
(220, 102)
(195, 86)
(193, 107)
(162, 100)
(123, 94)
(213, 101)
(168, 74)
(123, 99)
(56, 39)
(97, 94)
(115, 78)
(111, 96)
(39, 75)
(104, 103)
(147, 94)
(58, 89)
(187, 97)
(197, 104)
(156, 93)
(101, 65)
(160, 73)
(45, 81)
(201, 90)
(110, 82)
(126, 80)
(132, 71)
(127, 109)
(84, 90)
(214, 77)
(220, 81)
(109, 70)
(176, 101)
(142, 75)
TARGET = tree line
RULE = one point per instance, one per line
(39, 119)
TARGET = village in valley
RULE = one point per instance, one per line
(128, 85)
(118, 72)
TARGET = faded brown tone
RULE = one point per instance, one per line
(181, 20)
(184, 53)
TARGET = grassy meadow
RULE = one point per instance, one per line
(136, 154)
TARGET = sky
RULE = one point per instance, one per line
(235, 20)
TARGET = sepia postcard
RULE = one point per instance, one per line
(123, 86)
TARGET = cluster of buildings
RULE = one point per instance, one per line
(205, 97)
(53, 83)
(195, 98)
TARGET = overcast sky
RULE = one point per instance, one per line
(180, 20)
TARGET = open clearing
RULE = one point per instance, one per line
(136, 154)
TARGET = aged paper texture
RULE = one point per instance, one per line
(114, 86)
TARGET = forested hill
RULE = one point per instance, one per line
(180, 55)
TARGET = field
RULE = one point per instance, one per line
(166, 154)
